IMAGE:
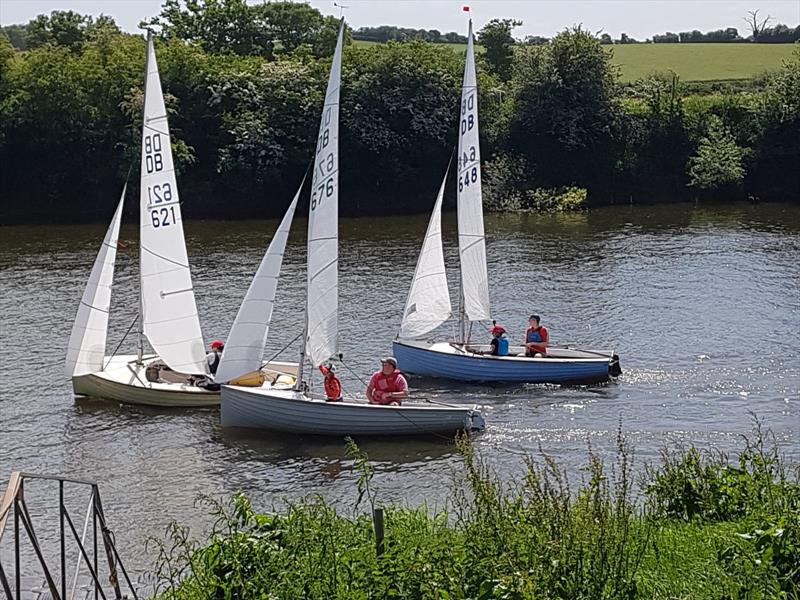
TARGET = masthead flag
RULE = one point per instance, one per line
(465, 8)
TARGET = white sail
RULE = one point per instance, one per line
(169, 312)
(323, 231)
(428, 303)
(87, 343)
(245, 345)
(471, 241)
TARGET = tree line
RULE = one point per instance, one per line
(244, 110)
(390, 33)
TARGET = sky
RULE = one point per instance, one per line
(638, 18)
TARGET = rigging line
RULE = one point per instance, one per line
(281, 351)
(113, 354)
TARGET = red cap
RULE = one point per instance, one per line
(465, 8)
(497, 329)
(217, 344)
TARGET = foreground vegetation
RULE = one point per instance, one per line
(244, 85)
(698, 525)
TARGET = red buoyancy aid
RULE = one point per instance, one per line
(382, 384)
(538, 338)
(333, 388)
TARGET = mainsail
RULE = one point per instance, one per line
(428, 303)
(471, 241)
(245, 347)
(169, 312)
(87, 343)
(323, 232)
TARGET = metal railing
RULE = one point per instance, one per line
(14, 502)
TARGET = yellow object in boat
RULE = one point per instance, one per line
(254, 379)
(284, 379)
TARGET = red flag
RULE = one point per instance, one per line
(465, 8)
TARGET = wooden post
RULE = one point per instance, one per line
(377, 521)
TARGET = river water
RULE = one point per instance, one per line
(701, 303)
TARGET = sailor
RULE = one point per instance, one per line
(499, 342)
(213, 357)
(536, 338)
(387, 386)
(333, 387)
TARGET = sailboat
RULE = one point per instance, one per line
(428, 305)
(293, 408)
(168, 316)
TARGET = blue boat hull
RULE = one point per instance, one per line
(439, 360)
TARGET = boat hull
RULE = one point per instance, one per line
(124, 381)
(451, 361)
(292, 412)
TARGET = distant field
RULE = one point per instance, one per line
(692, 62)
(700, 62)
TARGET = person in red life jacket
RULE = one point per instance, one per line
(536, 337)
(387, 386)
(333, 387)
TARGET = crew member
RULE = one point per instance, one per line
(387, 386)
(536, 337)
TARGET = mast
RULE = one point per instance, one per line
(140, 323)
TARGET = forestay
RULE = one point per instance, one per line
(471, 242)
(428, 303)
(87, 343)
(169, 312)
(323, 232)
(245, 346)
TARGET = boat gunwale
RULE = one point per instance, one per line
(520, 359)
(256, 392)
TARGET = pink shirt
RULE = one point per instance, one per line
(382, 384)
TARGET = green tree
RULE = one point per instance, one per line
(399, 113)
(498, 45)
(62, 28)
(719, 161)
(563, 108)
(294, 24)
(235, 27)
(219, 26)
(652, 140)
(776, 134)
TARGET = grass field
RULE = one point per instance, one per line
(692, 62)
(700, 62)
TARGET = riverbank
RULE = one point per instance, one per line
(693, 525)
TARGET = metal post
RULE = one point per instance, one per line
(63, 548)
(28, 524)
(4, 581)
(108, 544)
(377, 520)
(16, 542)
(94, 535)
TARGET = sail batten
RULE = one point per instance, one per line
(428, 304)
(471, 238)
(323, 232)
(87, 342)
(169, 311)
(248, 336)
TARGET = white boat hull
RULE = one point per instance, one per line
(124, 381)
(293, 412)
